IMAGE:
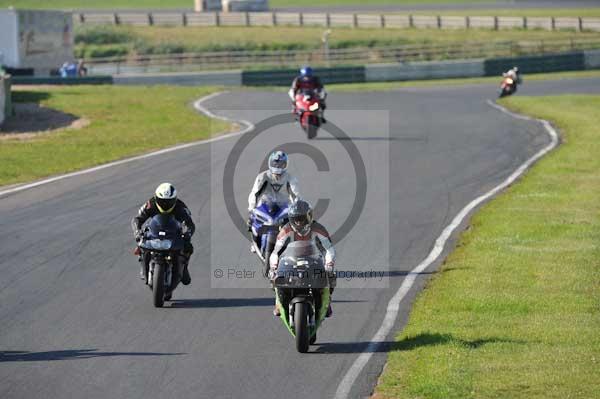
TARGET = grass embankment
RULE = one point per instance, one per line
(107, 4)
(124, 121)
(515, 310)
(108, 41)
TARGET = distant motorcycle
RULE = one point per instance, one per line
(162, 242)
(302, 291)
(507, 87)
(308, 109)
(266, 219)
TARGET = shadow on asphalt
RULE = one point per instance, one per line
(222, 302)
(352, 347)
(363, 138)
(26, 356)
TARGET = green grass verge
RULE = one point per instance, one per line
(124, 121)
(188, 4)
(106, 4)
(379, 86)
(515, 310)
(106, 41)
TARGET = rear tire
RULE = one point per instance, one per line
(158, 285)
(301, 326)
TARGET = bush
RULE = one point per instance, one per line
(111, 50)
(102, 34)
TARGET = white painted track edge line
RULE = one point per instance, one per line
(247, 126)
(393, 307)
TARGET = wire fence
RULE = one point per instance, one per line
(189, 62)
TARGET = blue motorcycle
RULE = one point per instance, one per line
(266, 219)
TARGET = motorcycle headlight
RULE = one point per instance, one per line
(161, 244)
(314, 107)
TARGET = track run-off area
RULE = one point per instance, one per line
(78, 322)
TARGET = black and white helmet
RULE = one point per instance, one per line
(166, 197)
(301, 217)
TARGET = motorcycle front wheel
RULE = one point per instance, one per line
(311, 131)
(158, 285)
(301, 326)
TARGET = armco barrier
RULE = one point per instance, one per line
(227, 78)
(3, 96)
(356, 20)
(537, 64)
(55, 80)
(424, 70)
(592, 59)
(284, 77)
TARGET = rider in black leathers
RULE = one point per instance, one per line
(165, 201)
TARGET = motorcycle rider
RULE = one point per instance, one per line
(302, 227)
(307, 81)
(272, 181)
(514, 74)
(165, 201)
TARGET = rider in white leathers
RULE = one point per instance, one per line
(275, 182)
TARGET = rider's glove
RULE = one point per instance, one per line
(186, 237)
(138, 236)
(249, 224)
(329, 267)
(272, 274)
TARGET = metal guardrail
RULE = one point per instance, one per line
(336, 20)
(187, 62)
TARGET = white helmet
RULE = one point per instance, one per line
(278, 162)
(166, 197)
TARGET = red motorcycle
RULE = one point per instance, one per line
(508, 87)
(308, 108)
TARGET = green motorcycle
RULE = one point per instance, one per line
(302, 291)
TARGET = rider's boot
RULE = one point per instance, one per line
(186, 279)
(276, 312)
(329, 311)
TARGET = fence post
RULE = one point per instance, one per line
(184, 19)
(328, 20)
(355, 20)
(580, 24)
(300, 19)
(524, 22)
(274, 19)
(150, 19)
(439, 22)
(411, 21)
(382, 20)
(81, 18)
(495, 23)
(247, 16)
(553, 23)
(217, 18)
(116, 19)
(468, 22)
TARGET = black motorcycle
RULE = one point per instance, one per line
(161, 247)
(302, 291)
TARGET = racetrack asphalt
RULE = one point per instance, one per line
(77, 322)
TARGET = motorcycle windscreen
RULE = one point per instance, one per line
(163, 226)
(301, 265)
